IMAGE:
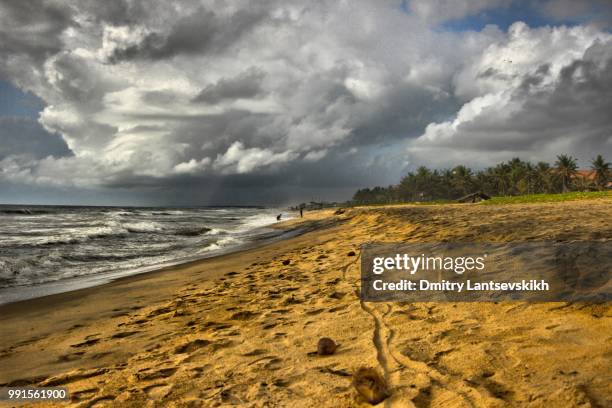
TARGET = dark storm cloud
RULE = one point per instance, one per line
(234, 123)
(30, 33)
(159, 98)
(80, 84)
(577, 102)
(32, 28)
(577, 108)
(570, 113)
(229, 126)
(25, 136)
(245, 85)
(333, 178)
(535, 79)
(403, 113)
(493, 73)
(202, 31)
(122, 12)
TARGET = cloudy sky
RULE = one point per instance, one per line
(276, 101)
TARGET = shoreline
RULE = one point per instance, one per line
(8, 296)
(6, 308)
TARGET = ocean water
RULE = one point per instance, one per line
(44, 249)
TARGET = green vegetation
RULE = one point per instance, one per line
(510, 181)
(602, 171)
(542, 198)
(566, 170)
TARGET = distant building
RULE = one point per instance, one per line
(587, 178)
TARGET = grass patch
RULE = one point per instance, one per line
(399, 204)
(548, 198)
(520, 199)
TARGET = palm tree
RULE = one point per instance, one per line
(542, 175)
(529, 177)
(566, 169)
(422, 182)
(602, 171)
(518, 176)
(462, 180)
(446, 180)
(500, 175)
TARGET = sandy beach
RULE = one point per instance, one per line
(242, 329)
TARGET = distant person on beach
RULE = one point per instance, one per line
(278, 217)
(301, 212)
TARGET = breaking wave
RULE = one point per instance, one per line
(46, 244)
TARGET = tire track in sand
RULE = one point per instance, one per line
(392, 362)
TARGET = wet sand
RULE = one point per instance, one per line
(242, 329)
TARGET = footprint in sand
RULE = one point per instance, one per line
(139, 321)
(281, 382)
(292, 300)
(198, 371)
(333, 282)
(86, 343)
(83, 394)
(337, 295)
(180, 313)
(498, 390)
(70, 356)
(255, 352)
(192, 346)
(124, 334)
(98, 356)
(158, 391)
(72, 376)
(273, 364)
(154, 375)
(244, 315)
(213, 346)
(159, 311)
(315, 312)
(214, 326)
(221, 344)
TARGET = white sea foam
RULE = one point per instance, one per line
(85, 243)
(143, 227)
(261, 220)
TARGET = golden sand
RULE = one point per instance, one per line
(243, 329)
